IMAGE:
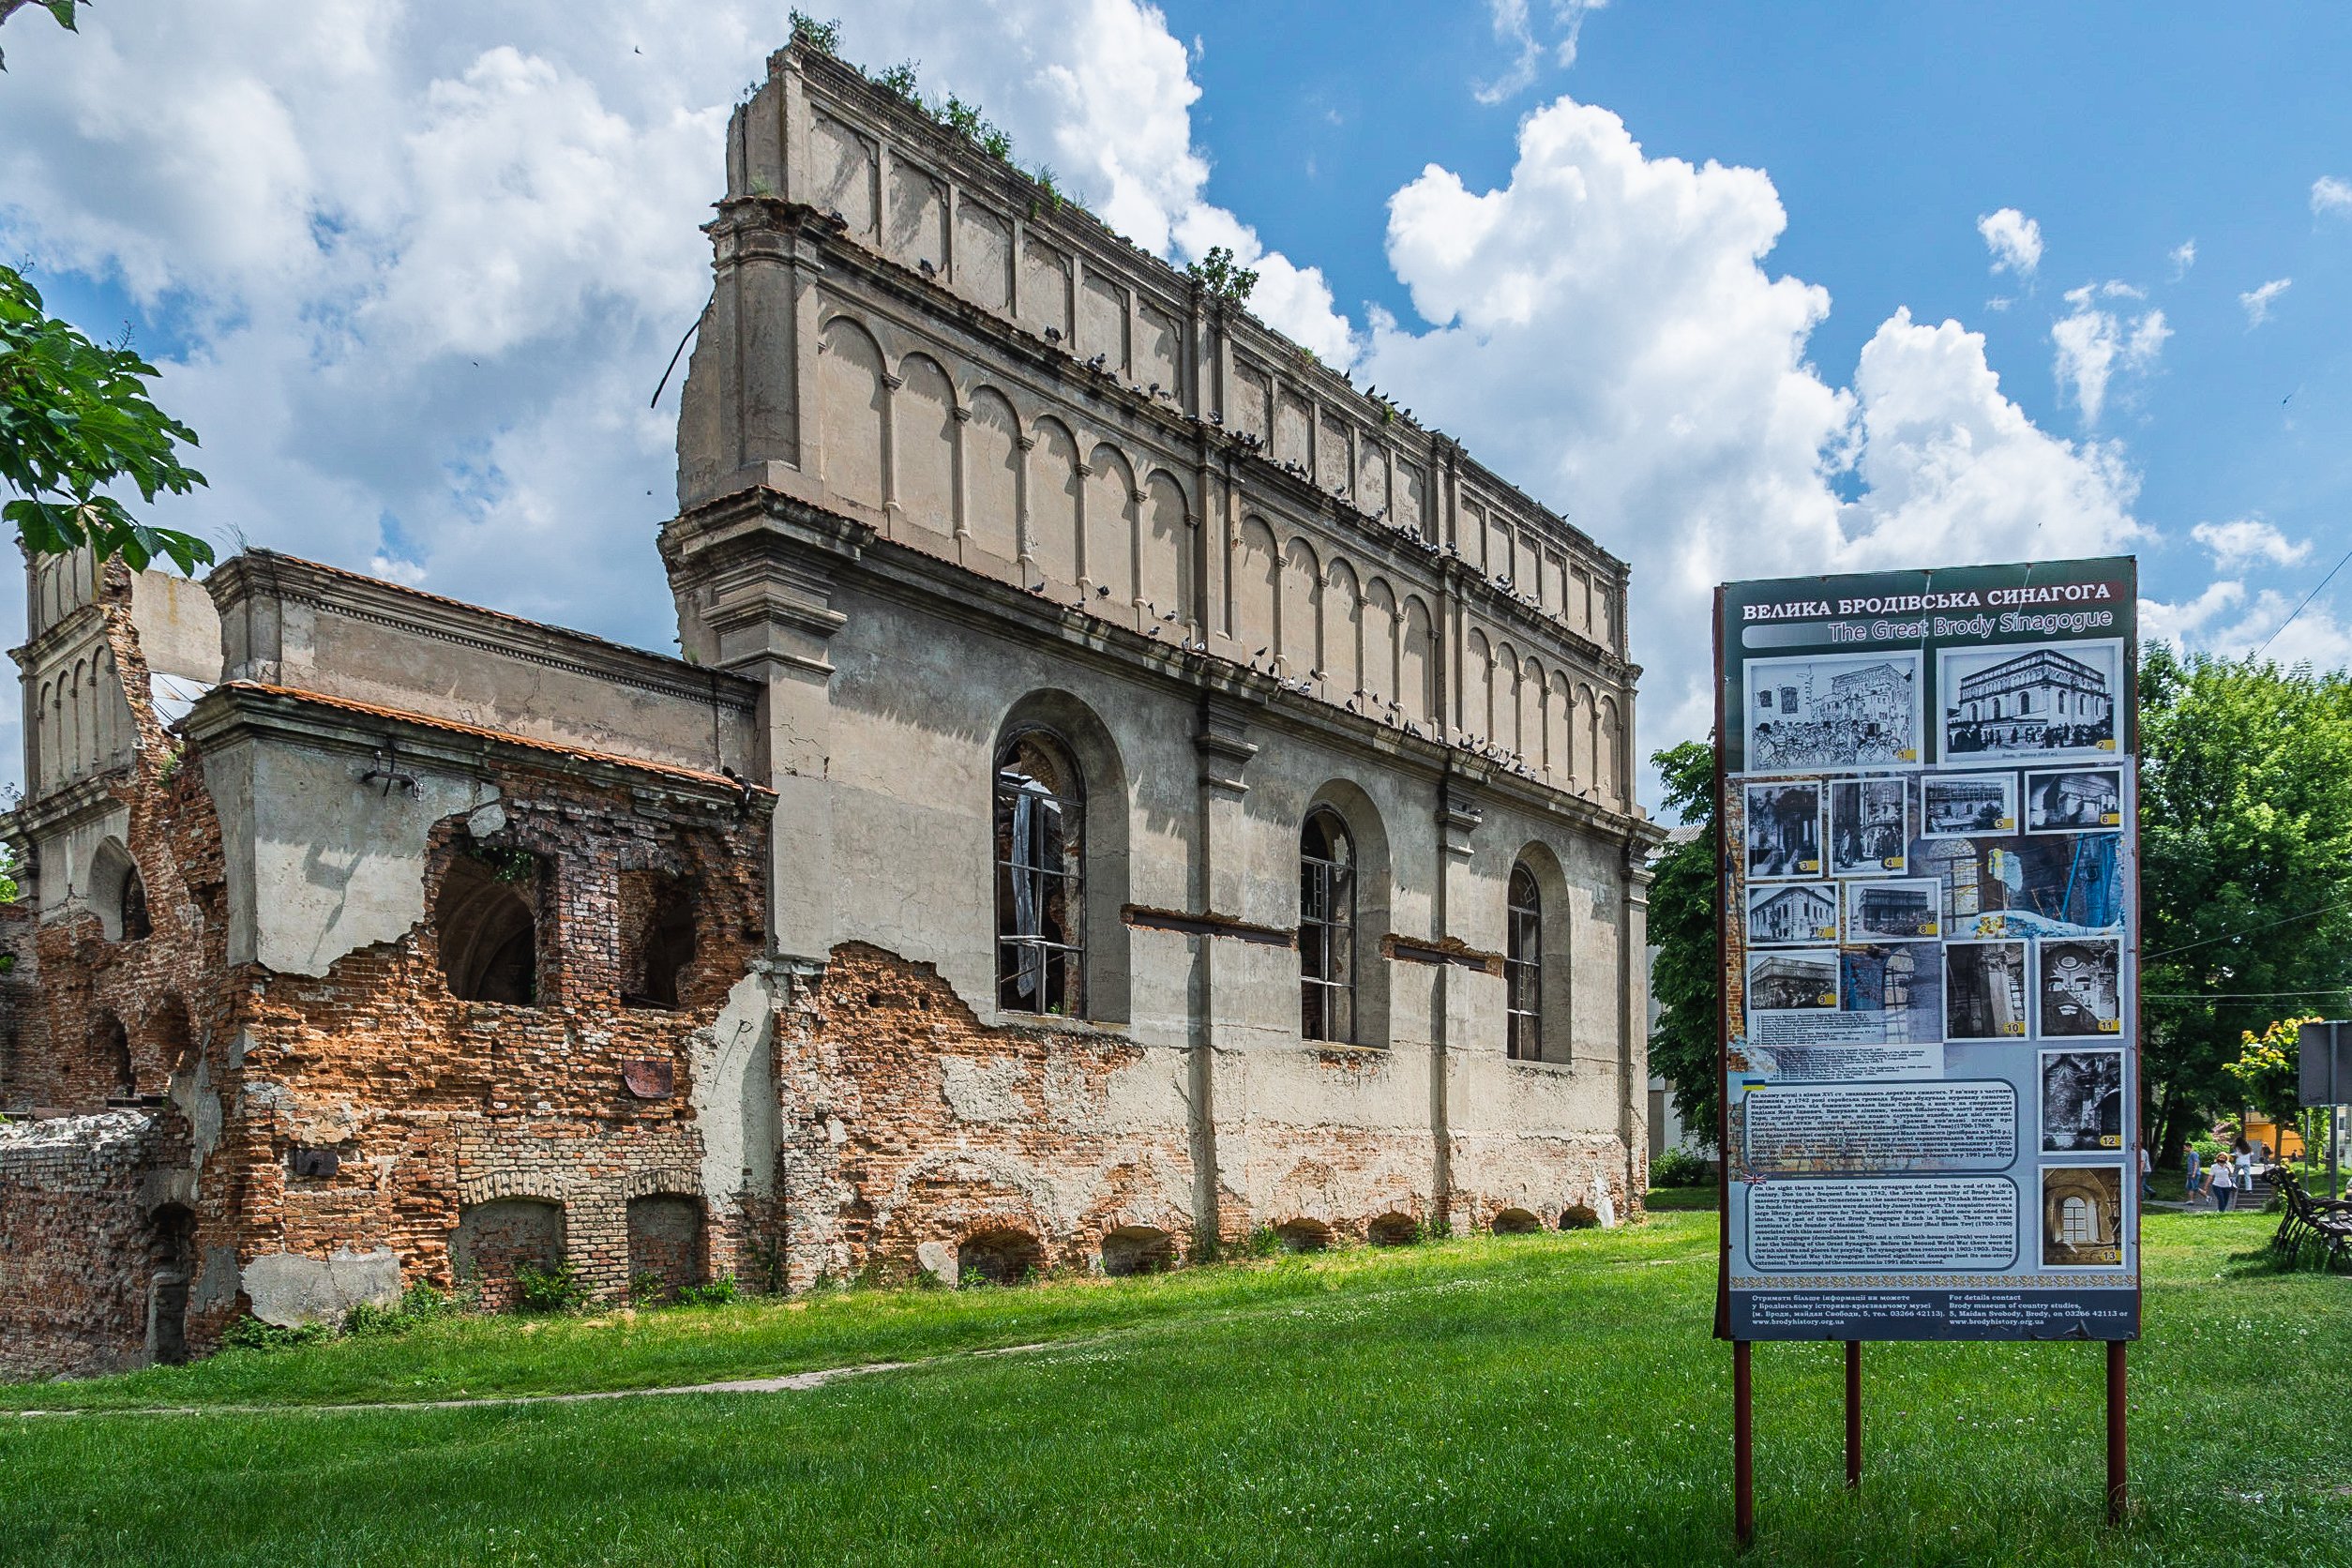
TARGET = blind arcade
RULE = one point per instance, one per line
(1930, 1108)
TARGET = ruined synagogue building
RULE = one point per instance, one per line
(1124, 788)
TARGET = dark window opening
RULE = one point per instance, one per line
(1516, 1222)
(1327, 930)
(662, 945)
(1393, 1230)
(172, 1256)
(1522, 969)
(112, 1046)
(1040, 878)
(136, 926)
(174, 1039)
(487, 922)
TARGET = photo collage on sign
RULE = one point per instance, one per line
(1987, 885)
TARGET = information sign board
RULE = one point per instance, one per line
(1930, 917)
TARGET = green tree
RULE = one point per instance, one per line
(1685, 1046)
(2246, 869)
(75, 420)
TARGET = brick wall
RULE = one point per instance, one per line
(77, 1247)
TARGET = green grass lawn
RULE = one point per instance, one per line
(1549, 1398)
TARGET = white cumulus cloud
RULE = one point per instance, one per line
(2258, 302)
(2095, 344)
(1603, 329)
(2330, 194)
(423, 262)
(2248, 540)
(2015, 240)
(2184, 256)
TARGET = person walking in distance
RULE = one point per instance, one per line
(2147, 1188)
(2224, 1184)
(2193, 1187)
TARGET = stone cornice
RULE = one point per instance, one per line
(239, 711)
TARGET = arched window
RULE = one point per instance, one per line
(1040, 884)
(1327, 930)
(136, 926)
(2075, 1225)
(487, 921)
(1523, 968)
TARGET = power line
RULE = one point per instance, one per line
(2241, 996)
(2232, 935)
(2300, 608)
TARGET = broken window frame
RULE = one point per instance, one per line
(1038, 831)
(1523, 968)
(1327, 928)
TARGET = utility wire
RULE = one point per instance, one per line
(2232, 935)
(2305, 605)
(2241, 996)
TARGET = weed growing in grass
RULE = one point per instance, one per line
(557, 1289)
(419, 1304)
(718, 1292)
(251, 1333)
(647, 1288)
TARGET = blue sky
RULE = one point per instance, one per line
(2123, 130)
(1720, 286)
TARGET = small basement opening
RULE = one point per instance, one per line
(999, 1258)
(1138, 1249)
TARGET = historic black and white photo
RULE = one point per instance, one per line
(2046, 700)
(2082, 1216)
(1793, 915)
(1965, 804)
(1869, 826)
(2074, 800)
(2081, 984)
(2082, 1101)
(1833, 711)
(1783, 831)
(1785, 982)
(1903, 910)
(1984, 991)
(1899, 986)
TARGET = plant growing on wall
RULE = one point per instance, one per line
(823, 36)
(507, 864)
(1217, 273)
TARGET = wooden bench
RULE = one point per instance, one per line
(2322, 1224)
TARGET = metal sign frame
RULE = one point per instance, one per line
(1929, 1120)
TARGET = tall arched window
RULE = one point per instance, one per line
(1040, 884)
(2075, 1226)
(1523, 970)
(1327, 930)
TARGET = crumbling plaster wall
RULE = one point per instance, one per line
(433, 1103)
(1426, 1118)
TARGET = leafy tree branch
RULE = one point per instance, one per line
(75, 422)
